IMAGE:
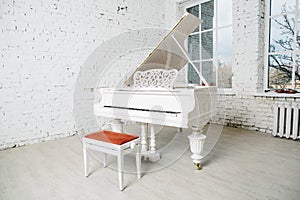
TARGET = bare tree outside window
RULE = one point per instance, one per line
(284, 42)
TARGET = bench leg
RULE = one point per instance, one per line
(85, 161)
(138, 161)
(120, 170)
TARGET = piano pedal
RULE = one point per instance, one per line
(145, 158)
(150, 156)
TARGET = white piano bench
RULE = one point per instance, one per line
(117, 144)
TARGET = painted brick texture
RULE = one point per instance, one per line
(244, 108)
(43, 45)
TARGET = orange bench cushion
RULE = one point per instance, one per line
(111, 137)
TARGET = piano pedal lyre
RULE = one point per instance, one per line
(148, 146)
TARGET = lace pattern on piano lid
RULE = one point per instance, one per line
(155, 78)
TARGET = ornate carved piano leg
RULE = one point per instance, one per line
(196, 144)
(143, 137)
(117, 125)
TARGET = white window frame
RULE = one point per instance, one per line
(267, 43)
(190, 3)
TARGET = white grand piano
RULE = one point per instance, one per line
(150, 97)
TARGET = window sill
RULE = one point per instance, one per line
(278, 95)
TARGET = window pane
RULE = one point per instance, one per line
(281, 33)
(282, 6)
(297, 74)
(195, 11)
(192, 74)
(224, 12)
(215, 44)
(207, 45)
(280, 71)
(193, 47)
(207, 14)
(202, 47)
(298, 34)
(225, 42)
(209, 72)
(225, 73)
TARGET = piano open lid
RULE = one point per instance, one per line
(167, 54)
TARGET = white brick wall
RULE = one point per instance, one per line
(43, 44)
(244, 108)
(249, 111)
(248, 34)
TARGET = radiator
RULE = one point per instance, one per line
(286, 120)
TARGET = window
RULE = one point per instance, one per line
(283, 40)
(210, 45)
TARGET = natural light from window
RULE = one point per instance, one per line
(282, 53)
(210, 45)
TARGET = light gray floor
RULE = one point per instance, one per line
(243, 165)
